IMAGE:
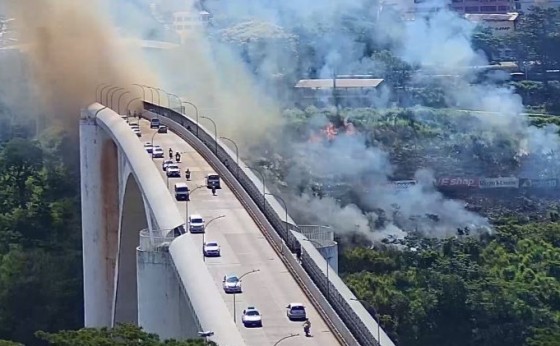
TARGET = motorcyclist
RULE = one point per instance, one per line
(188, 174)
(307, 327)
(214, 190)
(178, 157)
(170, 154)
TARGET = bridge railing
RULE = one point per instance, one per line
(355, 317)
(155, 240)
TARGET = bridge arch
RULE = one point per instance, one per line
(122, 194)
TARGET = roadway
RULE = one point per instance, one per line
(243, 249)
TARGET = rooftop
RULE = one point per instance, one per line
(491, 17)
(340, 83)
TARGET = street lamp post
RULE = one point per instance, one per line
(234, 294)
(328, 265)
(113, 94)
(101, 92)
(158, 95)
(166, 94)
(177, 97)
(236, 153)
(195, 112)
(284, 338)
(128, 105)
(375, 314)
(97, 98)
(152, 142)
(264, 185)
(143, 90)
(107, 94)
(119, 101)
(203, 233)
(286, 221)
(188, 200)
(215, 132)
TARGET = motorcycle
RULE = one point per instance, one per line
(307, 328)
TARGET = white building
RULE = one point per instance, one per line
(185, 22)
(501, 24)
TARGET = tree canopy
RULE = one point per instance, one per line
(122, 334)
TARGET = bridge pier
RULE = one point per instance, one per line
(100, 221)
(162, 307)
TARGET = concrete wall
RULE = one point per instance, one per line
(160, 291)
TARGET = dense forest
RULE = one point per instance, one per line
(40, 238)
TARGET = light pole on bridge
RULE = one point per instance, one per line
(119, 101)
(195, 112)
(128, 105)
(236, 153)
(264, 184)
(328, 259)
(203, 234)
(107, 94)
(375, 315)
(112, 93)
(102, 86)
(215, 132)
(187, 203)
(284, 338)
(286, 220)
(234, 294)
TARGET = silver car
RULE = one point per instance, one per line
(296, 311)
(232, 284)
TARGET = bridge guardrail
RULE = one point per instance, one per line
(156, 241)
(355, 317)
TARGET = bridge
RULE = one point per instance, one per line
(142, 266)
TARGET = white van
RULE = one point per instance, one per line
(182, 192)
(196, 223)
(213, 180)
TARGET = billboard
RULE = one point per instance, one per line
(538, 183)
(457, 182)
(403, 184)
(504, 182)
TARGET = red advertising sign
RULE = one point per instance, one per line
(457, 182)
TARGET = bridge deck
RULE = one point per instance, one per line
(243, 248)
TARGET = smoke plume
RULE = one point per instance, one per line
(72, 48)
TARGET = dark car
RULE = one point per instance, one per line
(162, 129)
(154, 123)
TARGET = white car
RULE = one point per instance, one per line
(251, 317)
(232, 284)
(149, 147)
(157, 152)
(211, 249)
(166, 163)
(196, 224)
(296, 311)
(173, 171)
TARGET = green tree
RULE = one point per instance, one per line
(537, 38)
(484, 39)
(122, 334)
